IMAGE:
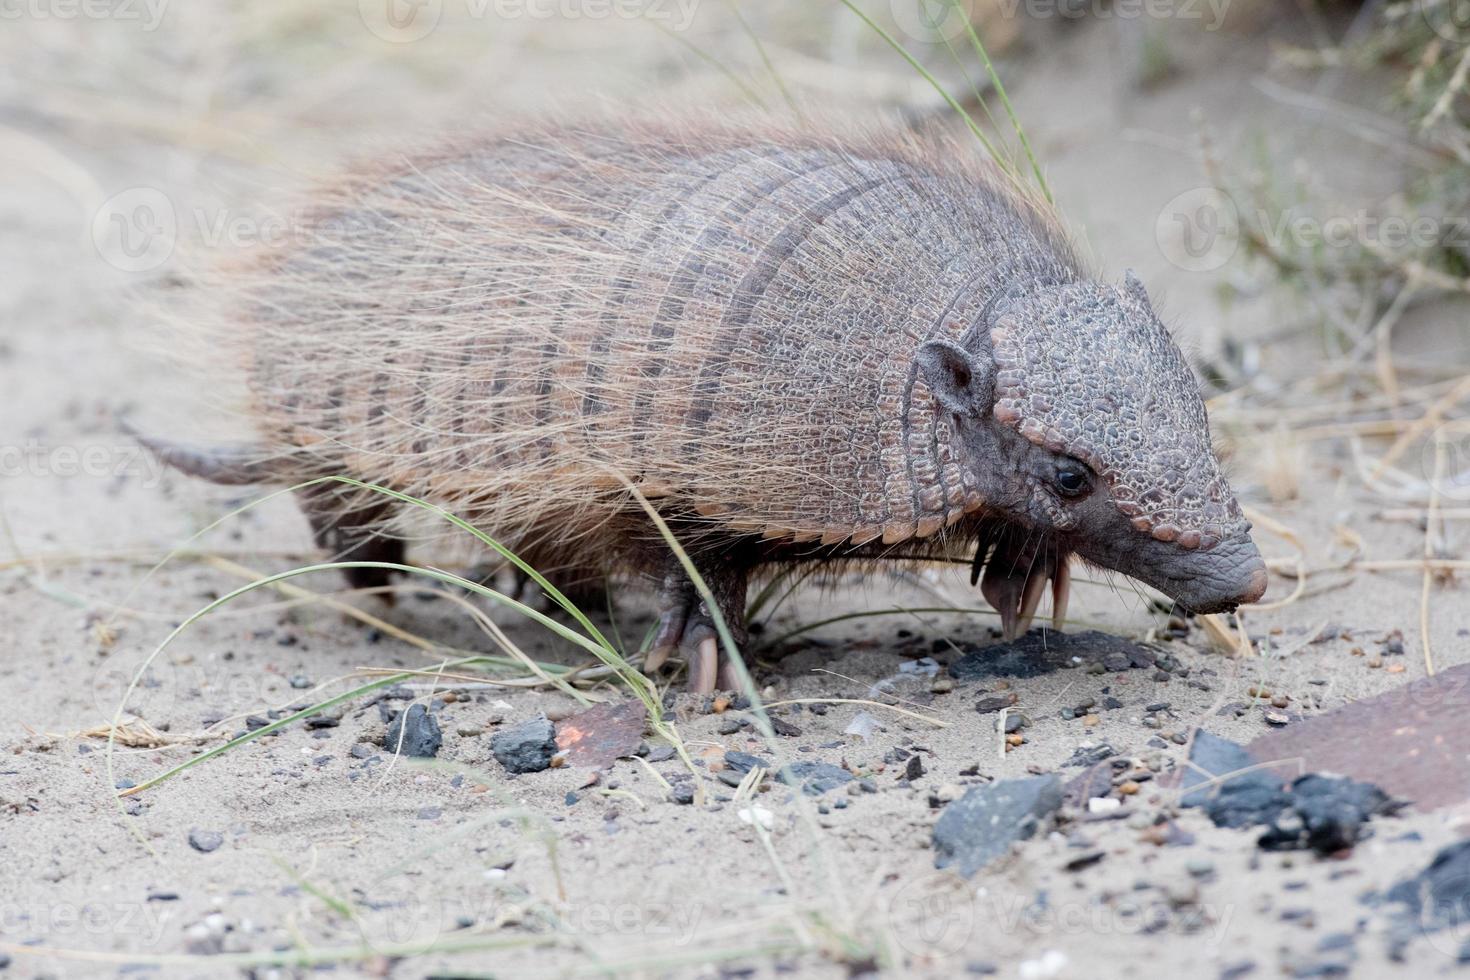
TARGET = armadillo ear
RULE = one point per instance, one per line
(1135, 286)
(962, 384)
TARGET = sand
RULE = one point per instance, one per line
(323, 849)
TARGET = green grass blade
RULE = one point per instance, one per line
(716, 64)
(808, 627)
(765, 58)
(944, 93)
(1005, 101)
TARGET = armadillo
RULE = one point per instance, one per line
(801, 346)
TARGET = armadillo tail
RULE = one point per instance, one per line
(233, 464)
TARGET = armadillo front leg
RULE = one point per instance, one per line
(686, 624)
(1017, 566)
(352, 532)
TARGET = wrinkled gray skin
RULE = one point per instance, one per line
(1019, 475)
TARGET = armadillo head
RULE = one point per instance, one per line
(1086, 431)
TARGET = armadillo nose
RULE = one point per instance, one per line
(1255, 586)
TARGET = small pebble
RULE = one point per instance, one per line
(205, 841)
(1200, 867)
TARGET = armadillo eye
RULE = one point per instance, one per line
(1072, 481)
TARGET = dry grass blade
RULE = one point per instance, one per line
(1431, 418)
(135, 733)
(1230, 640)
(927, 719)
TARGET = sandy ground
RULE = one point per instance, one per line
(327, 845)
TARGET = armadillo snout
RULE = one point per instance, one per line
(1225, 578)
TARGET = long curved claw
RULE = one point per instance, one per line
(1061, 592)
(990, 534)
(1016, 571)
(1031, 598)
(666, 638)
(704, 666)
(685, 626)
(1003, 591)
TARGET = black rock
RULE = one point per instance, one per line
(743, 762)
(914, 769)
(782, 727)
(205, 841)
(1330, 813)
(1043, 651)
(1244, 799)
(994, 703)
(1439, 896)
(527, 747)
(1319, 812)
(682, 794)
(415, 733)
(981, 825)
(815, 778)
(1090, 757)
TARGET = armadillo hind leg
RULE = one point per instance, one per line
(351, 531)
(685, 624)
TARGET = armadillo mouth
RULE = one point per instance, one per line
(1017, 563)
